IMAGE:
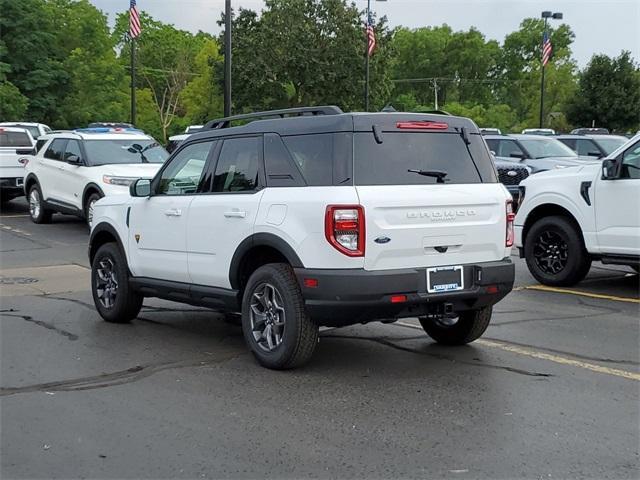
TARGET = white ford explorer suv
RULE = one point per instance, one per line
(16, 147)
(74, 169)
(572, 216)
(316, 218)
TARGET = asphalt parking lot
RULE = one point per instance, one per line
(550, 391)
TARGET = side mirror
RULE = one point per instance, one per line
(609, 169)
(140, 188)
(74, 160)
(492, 152)
(594, 154)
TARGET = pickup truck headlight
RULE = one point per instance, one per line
(122, 181)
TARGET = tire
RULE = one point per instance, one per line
(469, 326)
(108, 267)
(555, 253)
(37, 210)
(272, 300)
(88, 207)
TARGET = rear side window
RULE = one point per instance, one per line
(237, 167)
(56, 149)
(324, 159)
(280, 168)
(14, 139)
(388, 163)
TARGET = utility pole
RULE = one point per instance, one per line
(546, 15)
(435, 90)
(227, 58)
(133, 81)
(366, 60)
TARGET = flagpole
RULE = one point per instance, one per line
(366, 61)
(542, 79)
(133, 80)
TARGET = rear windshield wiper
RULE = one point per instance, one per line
(437, 174)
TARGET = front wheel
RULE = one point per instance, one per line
(114, 299)
(37, 210)
(465, 328)
(276, 327)
(88, 207)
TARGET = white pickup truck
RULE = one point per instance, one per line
(572, 216)
(16, 146)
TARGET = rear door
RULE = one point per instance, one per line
(50, 174)
(415, 220)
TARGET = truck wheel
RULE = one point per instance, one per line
(37, 211)
(88, 207)
(467, 327)
(115, 301)
(555, 252)
(276, 327)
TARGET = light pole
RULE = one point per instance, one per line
(227, 58)
(366, 55)
(546, 15)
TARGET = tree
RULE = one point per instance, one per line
(13, 105)
(201, 97)
(608, 94)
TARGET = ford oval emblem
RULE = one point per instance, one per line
(512, 173)
(382, 240)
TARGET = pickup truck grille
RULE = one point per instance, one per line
(512, 175)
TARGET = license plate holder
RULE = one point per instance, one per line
(445, 279)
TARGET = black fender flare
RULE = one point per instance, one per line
(87, 187)
(99, 229)
(259, 240)
(30, 177)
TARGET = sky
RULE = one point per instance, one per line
(600, 26)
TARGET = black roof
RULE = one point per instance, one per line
(330, 119)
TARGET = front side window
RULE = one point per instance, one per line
(631, 162)
(546, 147)
(56, 149)
(237, 168)
(73, 148)
(40, 144)
(110, 151)
(585, 147)
(505, 148)
(182, 175)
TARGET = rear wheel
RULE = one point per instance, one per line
(37, 210)
(555, 252)
(275, 325)
(114, 299)
(88, 207)
(465, 328)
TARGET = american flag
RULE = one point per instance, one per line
(371, 36)
(134, 20)
(546, 49)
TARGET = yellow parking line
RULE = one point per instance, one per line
(528, 352)
(544, 288)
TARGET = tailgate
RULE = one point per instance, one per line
(433, 225)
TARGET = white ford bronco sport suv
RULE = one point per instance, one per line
(16, 147)
(74, 169)
(572, 216)
(313, 217)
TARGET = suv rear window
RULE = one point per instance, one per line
(14, 139)
(388, 163)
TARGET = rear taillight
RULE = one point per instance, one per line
(422, 125)
(510, 218)
(344, 229)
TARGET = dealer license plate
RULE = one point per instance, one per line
(445, 279)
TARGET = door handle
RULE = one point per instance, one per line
(235, 214)
(173, 212)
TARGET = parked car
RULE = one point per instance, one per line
(538, 131)
(16, 145)
(175, 141)
(72, 170)
(318, 218)
(539, 153)
(597, 146)
(490, 131)
(510, 175)
(571, 217)
(35, 129)
(590, 131)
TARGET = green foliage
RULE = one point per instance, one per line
(201, 97)
(13, 104)
(608, 94)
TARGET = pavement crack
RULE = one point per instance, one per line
(386, 342)
(72, 300)
(121, 377)
(41, 323)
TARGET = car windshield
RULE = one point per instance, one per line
(609, 144)
(106, 152)
(35, 133)
(546, 147)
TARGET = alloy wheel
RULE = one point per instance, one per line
(550, 252)
(267, 317)
(34, 203)
(90, 212)
(107, 282)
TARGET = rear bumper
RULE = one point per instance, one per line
(12, 186)
(345, 297)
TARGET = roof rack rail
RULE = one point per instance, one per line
(322, 110)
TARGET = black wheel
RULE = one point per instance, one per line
(555, 252)
(88, 207)
(115, 301)
(37, 210)
(276, 327)
(465, 328)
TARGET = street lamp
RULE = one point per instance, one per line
(227, 58)
(546, 15)
(366, 56)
